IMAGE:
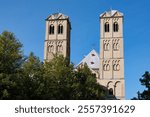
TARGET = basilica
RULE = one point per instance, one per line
(108, 66)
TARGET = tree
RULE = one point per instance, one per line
(145, 81)
(62, 81)
(10, 53)
(31, 78)
(58, 78)
(86, 86)
(11, 58)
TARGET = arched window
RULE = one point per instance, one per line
(114, 67)
(50, 48)
(51, 29)
(106, 67)
(106, 27)
(110, 91)
(117, 67)
(94, 75)
(116, 27)
(60, 29)
(106, 46)
(60, 48)
(116, 46)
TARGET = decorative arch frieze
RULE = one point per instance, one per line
(59, 46)
(117, 83)
(50, 46)
(116, 65)
(116, 44)
(106, 65)
(106, 45)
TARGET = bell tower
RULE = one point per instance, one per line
(112, 53)
(57, 38)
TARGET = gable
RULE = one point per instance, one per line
(111, 13)
(92, 60)
(57, 16)
(117, 14)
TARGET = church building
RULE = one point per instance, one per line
(108, 67)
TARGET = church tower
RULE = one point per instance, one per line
(111, 53)
(57, 38)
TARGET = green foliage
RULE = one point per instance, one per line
(57, 77)
(29, 78)
(62, 81)
(10, 53)
(11, 59)
(145, 81)
(86, 86)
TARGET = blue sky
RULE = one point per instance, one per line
(26, 19)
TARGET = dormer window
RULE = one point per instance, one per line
(92, 63)
(106, 26)
(115, 27)
(51, 29)
(93, 54)
(60, 29)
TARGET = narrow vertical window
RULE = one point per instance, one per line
(60, 29)
(116, 45)
(117, 67)
(106, 46)
(59, 48)
(106, 27)
(106, 67)
(51, 29)
(51, 48)
(115, 27)
(110, 91)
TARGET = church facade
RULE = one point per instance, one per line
(109, 65)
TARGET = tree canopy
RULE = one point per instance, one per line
(11, 59)
(28, 78)
(145, 81)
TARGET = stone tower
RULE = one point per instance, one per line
(57, 38)
(111, 53)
